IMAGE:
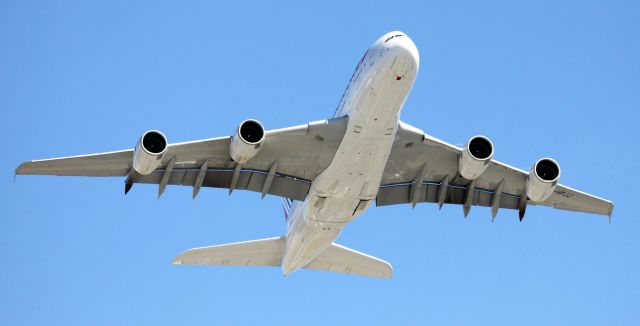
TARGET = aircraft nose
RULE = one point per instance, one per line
(399, 45)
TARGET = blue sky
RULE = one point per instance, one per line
(545, 78)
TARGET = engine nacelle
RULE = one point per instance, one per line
(149, 151)
(542, 179)
(475, 157)
(246, 141)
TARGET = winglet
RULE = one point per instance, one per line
(17, 170)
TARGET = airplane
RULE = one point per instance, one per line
(329, 172)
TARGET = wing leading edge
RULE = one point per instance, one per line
(289, 159)
(500, 186)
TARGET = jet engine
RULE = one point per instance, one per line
(149, 151)
(542, 179)
(246, 141)
(475, 157)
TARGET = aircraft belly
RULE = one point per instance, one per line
(308, 242)
(354, 175)
(348, 186)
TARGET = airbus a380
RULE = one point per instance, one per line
(329, 172)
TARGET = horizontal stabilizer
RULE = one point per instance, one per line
(263, 252)
(341, 259)
(268, 252)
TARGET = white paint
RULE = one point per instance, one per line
(144, 161)
(537, 188)
(471, 167)
(373, 101)
(242, 150)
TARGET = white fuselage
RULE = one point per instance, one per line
(372, 101)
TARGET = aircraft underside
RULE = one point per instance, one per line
(331, 171)
(346, 188)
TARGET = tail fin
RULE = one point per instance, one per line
(269, 252)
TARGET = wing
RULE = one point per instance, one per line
(425, 169)
(289, 159)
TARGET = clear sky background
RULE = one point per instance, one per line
(543, 78)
